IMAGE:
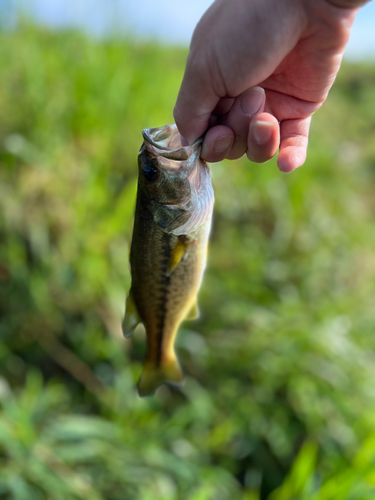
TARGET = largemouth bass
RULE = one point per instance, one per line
(169, 247)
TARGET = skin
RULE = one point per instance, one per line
(256, 72)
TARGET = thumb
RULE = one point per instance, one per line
(195, 102)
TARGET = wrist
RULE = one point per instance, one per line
(348, 3)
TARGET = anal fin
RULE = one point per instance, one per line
(194, 312)
(132, 318)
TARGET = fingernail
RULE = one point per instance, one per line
(184, 142)
(252, 101)
(261, 131)
(222, 143)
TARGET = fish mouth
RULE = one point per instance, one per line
(166, 141)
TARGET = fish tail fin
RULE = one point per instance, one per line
(169, 372)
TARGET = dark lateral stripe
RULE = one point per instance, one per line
(164, 286)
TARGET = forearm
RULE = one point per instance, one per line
(348, 3)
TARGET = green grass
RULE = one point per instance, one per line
(279, 397)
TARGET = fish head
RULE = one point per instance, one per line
(174, 180)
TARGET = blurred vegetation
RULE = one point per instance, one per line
(279, 399)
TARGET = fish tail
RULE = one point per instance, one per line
(152, 376)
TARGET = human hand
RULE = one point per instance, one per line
(291, 49)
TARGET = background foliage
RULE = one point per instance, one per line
(279, 399)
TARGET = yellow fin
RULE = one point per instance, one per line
(154, 376)
(194, 312)
(131, 319)
(177, 254)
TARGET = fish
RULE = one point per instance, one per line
(168, 253)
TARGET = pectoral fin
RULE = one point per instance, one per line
(132, 318)
(178, 254)
(194, 312)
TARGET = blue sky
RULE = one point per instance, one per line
(171, 21)
(362, 39)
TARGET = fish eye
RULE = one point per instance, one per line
(150, 173)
